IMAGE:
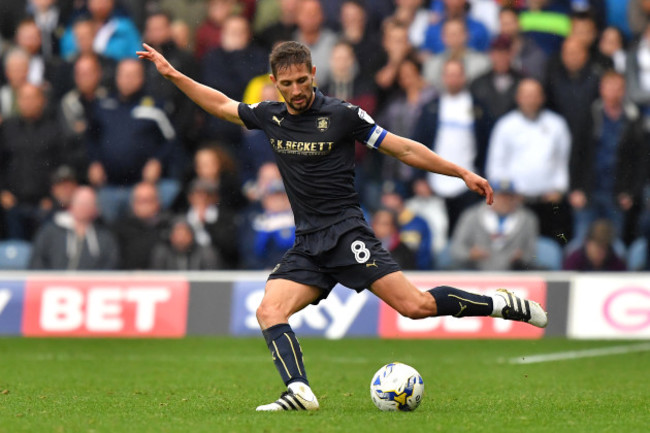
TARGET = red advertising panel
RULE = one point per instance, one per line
(393, 325)
(105, 307)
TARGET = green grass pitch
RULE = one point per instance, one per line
(214, 384)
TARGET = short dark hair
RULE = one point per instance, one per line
(289, 53)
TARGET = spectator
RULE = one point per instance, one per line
(47, 16)
(84, 31)
(213, 164)
(63, 184)
(454, 35)
(364, 38)
(230, 67)
(501, 237)
(637, 73)
(346, 82)
(597, 252)
(414, 231)
(432, 209)
(182, 35)
(547, 23)
(416, 17)
(531, 147)
(612, 45)
(455, 127)
(396, 48)
(267, 174)
(142, 229)
(477, 37)
(320, 40)
(281, 30)
(41, 69)
(527, 57)
(384, 224)
(583, 27)
(31, 149)
(208, 35)
(610, 169)
(572, 86)
(16, 69)
(73, 241)
(117, 36)
(255, 150)
(213, 225)
(270, 231)
(76, 105)
(638, 15)
(496, 88)
(178, 107)
(181, 252)
(400, 114)
(143, 147)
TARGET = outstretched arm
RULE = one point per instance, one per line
(211, 100)
(419, 156)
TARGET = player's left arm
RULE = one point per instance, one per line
(419, 156)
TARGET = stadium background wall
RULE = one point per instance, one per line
(223, 303)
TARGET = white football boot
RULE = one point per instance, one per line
(298, 396)
(511, 307)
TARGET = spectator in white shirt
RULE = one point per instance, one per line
(531, 146)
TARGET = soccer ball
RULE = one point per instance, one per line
(396, 386)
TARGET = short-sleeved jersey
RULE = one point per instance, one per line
(315, 154)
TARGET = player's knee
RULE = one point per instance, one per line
(269, 314)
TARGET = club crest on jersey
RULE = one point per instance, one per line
(323, 123)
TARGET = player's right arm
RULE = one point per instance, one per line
(211, 100)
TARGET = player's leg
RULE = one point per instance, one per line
(283, 298)
(398, 292)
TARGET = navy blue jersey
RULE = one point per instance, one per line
(315, 154)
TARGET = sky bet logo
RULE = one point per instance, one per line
(344, 313)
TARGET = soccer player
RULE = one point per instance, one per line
(313, 137)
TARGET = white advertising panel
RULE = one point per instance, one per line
(606, 306)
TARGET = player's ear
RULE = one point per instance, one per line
(272, 77)
(313, 71)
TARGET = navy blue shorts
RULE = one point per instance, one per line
(347, 252)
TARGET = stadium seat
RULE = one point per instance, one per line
(14, 254)
(637, 254)
(549, 254)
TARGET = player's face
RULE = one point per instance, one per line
(296, 85)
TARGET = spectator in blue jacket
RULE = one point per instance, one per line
(478, 35)
(271, 231)
(130, 139)
(117, 36)
(414, 231)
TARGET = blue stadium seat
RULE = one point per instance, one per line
(549, 254)
(14, 254)
(442, 260)
(637, 254)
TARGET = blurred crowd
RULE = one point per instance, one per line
(106, 165)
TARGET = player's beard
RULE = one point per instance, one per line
(303, 106)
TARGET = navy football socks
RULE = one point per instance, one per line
(286, 353)
(459, 303)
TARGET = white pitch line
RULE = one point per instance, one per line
(577, 354)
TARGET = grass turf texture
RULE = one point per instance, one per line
(214, 384)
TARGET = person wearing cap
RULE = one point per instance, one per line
(501, 237)
(180, 252)
(64, 183)
(497, 87)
